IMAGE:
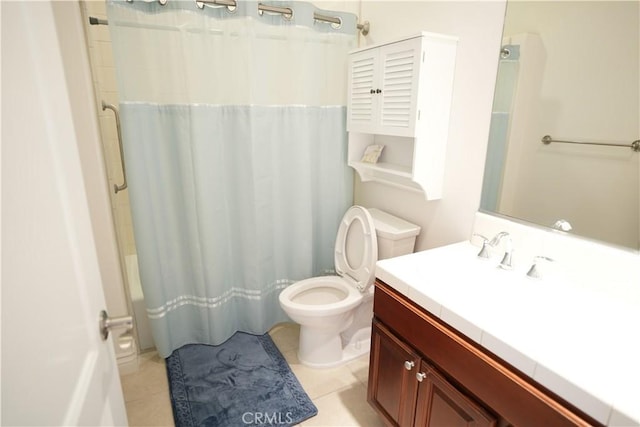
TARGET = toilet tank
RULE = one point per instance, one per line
(395, 235)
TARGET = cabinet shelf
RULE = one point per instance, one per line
(387, 173)
(383, 168)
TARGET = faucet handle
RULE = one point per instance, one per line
(484, 252)
(505, 264)
(534, 271)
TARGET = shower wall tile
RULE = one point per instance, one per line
(109, 78)
(96, 8)
(105, 86)
(110, 96)
(108, 120)
(95, 54)
(106, 54)
(102, 74)
(102, 33)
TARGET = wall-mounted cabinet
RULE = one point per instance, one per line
(400, 97)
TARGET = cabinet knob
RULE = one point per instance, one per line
(408, 365)
(372, 91)
(421, 376)
(378, 90)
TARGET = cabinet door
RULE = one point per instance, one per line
(393, 385)
(362, 98)
(400, 71)
(440, 404)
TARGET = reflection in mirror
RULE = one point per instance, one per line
(570, 70)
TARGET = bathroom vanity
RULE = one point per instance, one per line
(446, 350)
(427, 371)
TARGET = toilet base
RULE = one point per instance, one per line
(327, 351)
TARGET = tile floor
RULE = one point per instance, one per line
(340, 394)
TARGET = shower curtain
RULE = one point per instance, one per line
(233, 125)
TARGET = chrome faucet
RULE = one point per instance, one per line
(505, 264)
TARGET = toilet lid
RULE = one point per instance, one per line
(357, 248)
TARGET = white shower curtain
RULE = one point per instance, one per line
(233, 126)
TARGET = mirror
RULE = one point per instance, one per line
(570, 70)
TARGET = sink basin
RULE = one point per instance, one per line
(560, 331)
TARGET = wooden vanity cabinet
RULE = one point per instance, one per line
(407, 391)
(458, 383)
(393, 387)
(441, 404)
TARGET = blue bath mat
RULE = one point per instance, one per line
(243, 382)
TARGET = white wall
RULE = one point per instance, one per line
(478, 25)
(105, 87)
(589, 91)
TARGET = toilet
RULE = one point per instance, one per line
(334, 312)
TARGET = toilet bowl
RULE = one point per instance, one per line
(334, 312)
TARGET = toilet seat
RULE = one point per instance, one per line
(356, 249)
(350, 298)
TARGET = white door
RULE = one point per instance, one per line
(56, 370)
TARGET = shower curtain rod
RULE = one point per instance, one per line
(286, 12)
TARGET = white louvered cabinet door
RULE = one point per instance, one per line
(400, 70)
(383, 89)
(362, 100)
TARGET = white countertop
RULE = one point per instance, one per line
(581, 342)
